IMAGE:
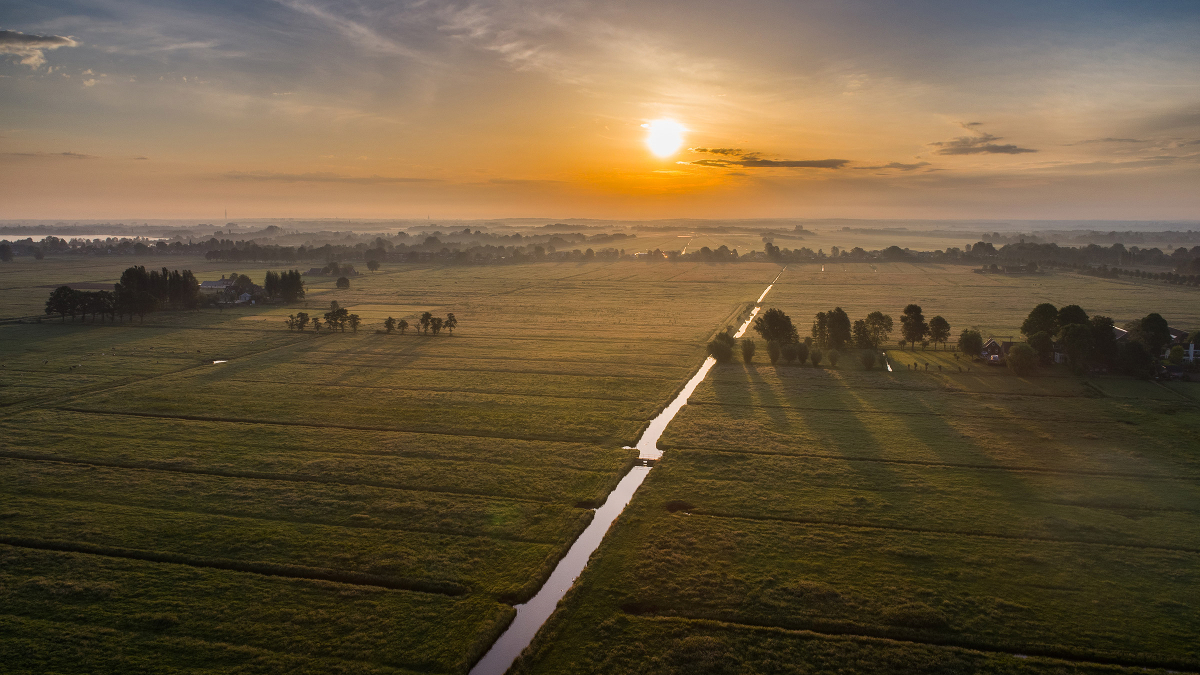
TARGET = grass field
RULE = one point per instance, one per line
(375, 503)
(838, 520)
(344, 487)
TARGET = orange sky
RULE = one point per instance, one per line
(379, 109)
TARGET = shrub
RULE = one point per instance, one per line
(774, 351)
(833, 357)
(720, 350)
(343, 282)
(747, 350)
(815, 356)
(790, 352)
(867, 359)
(802, 353)
(1022, 359)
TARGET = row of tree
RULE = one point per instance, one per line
(138, 293)
(287, 285)
(1091, 342)
(339, 318)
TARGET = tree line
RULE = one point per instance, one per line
(138, 293)
(338, 318)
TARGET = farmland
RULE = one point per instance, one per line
(364, 502)
(297, 506)
(914, 521)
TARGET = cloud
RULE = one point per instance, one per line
(895, 165)
(752, 160)
(319, 177)
(52, 155)
(1113, 140)
(30, 48)
(979, 143)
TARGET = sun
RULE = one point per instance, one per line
(664, 137)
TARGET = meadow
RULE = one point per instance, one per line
(834, 519)
(297, 506)
(365, 502)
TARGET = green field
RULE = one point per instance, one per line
(837, 520)
(361, 502)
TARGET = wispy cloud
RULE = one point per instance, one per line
(30, 49)
(751, 160)
(51, 155)
(899, 166)
(320, 177)
(978, 143)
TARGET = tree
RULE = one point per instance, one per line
(777, 326)
(1152, 331)
(880, 327)
(372, 264)
(1077, 343)
(802, 352)
(834, 355)
(721, 348)
(389, 325)
(939, 330)
(862, 335)
(1071, 314)
(436, 324)
(1104, 342)
(426, 320)
(450, 323)
(748, 350)
(774, 351)
(970, 342)
(343, 282)
(272, 284)
(838, 326)
(913, 326)
(1022, 359)
(402, 325)
(6, 252)
(1043, 344)
(60, 302)
(1043, 319)
(1134, 359)
(291, 286)
(302, 320)
(867, 358)
(354, 322)
(815, 356)
(820, 329)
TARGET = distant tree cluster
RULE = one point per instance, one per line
(287, 285)
(339, 318)
(138, 293)
(1091, 342)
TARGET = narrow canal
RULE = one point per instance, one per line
(533, 614)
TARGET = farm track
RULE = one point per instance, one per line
(250, 567)
(923, 530)
(257, 475)
(855, 632)
(951, 465)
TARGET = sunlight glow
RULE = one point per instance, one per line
(664, 137)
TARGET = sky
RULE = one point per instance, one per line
(126, 109)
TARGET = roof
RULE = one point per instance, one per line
(223, 283)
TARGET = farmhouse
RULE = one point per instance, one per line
(216, 286)
(995, 352)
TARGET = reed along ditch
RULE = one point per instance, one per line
(533, 614)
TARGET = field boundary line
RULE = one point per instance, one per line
(262, 475)
(44, 499)
(191, 641)
(321, 425)
(437, 389)
(953, 465)
(923, 413)
(948, 643)
(432, 586)
(923, 530)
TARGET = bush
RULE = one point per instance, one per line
(790, 352)
(343, 282)
(867, 359)
(833, 357)
(815, 357)
(1022, 359)
(748, 350)
(720, 350)
(802, 353)
(774, 351)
